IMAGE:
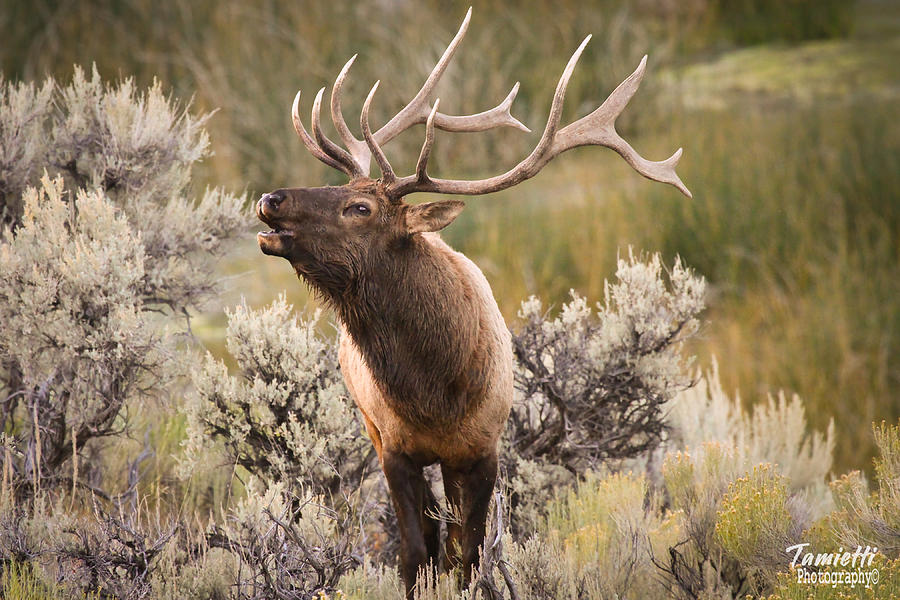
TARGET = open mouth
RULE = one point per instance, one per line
(276, 236)
(275, 241)
(274, 232)
(277, 231)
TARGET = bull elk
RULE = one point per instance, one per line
(424, 350)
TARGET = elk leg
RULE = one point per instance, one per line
(453, 489)
(469, 493)
(431, 525)
(407, 485)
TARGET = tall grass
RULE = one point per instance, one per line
(20, 582)
(803, 239)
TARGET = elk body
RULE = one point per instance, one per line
(424, 349)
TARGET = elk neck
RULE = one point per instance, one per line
(414, 316)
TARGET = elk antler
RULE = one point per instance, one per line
(414, 113)
(597, 128)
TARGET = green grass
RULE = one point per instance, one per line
(20, 582)
(812, 74)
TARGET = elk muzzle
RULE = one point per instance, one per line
(275, 242)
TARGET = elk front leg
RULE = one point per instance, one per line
(431, 525)
(469, 493)
(408, 486)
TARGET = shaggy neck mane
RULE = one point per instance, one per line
(416, 322)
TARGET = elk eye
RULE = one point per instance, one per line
(360, 209)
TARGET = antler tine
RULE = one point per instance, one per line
(387, 173)
(350, 167)
(538, 157)
(498, 116)
(410, 115)
(416, 110)
(358, 148)
(597, 128)
(310, 143)
(422, 163)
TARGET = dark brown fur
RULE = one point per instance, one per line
(401, 303)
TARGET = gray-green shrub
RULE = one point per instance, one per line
(108, 238)
(595, 383)
(774, 431)
(286, 417)
(77, 342)
(707, 517)
(288, 546)
(24, 111)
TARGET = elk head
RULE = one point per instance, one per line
(330, 234)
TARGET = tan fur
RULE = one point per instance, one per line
(477, 434)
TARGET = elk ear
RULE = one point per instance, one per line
(432, 216)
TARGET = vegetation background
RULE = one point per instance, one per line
(787, 112)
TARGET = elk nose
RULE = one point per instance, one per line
(272, 200)
(269, 203)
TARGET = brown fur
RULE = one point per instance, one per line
(424, 349)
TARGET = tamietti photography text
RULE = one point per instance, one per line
(841, 568)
